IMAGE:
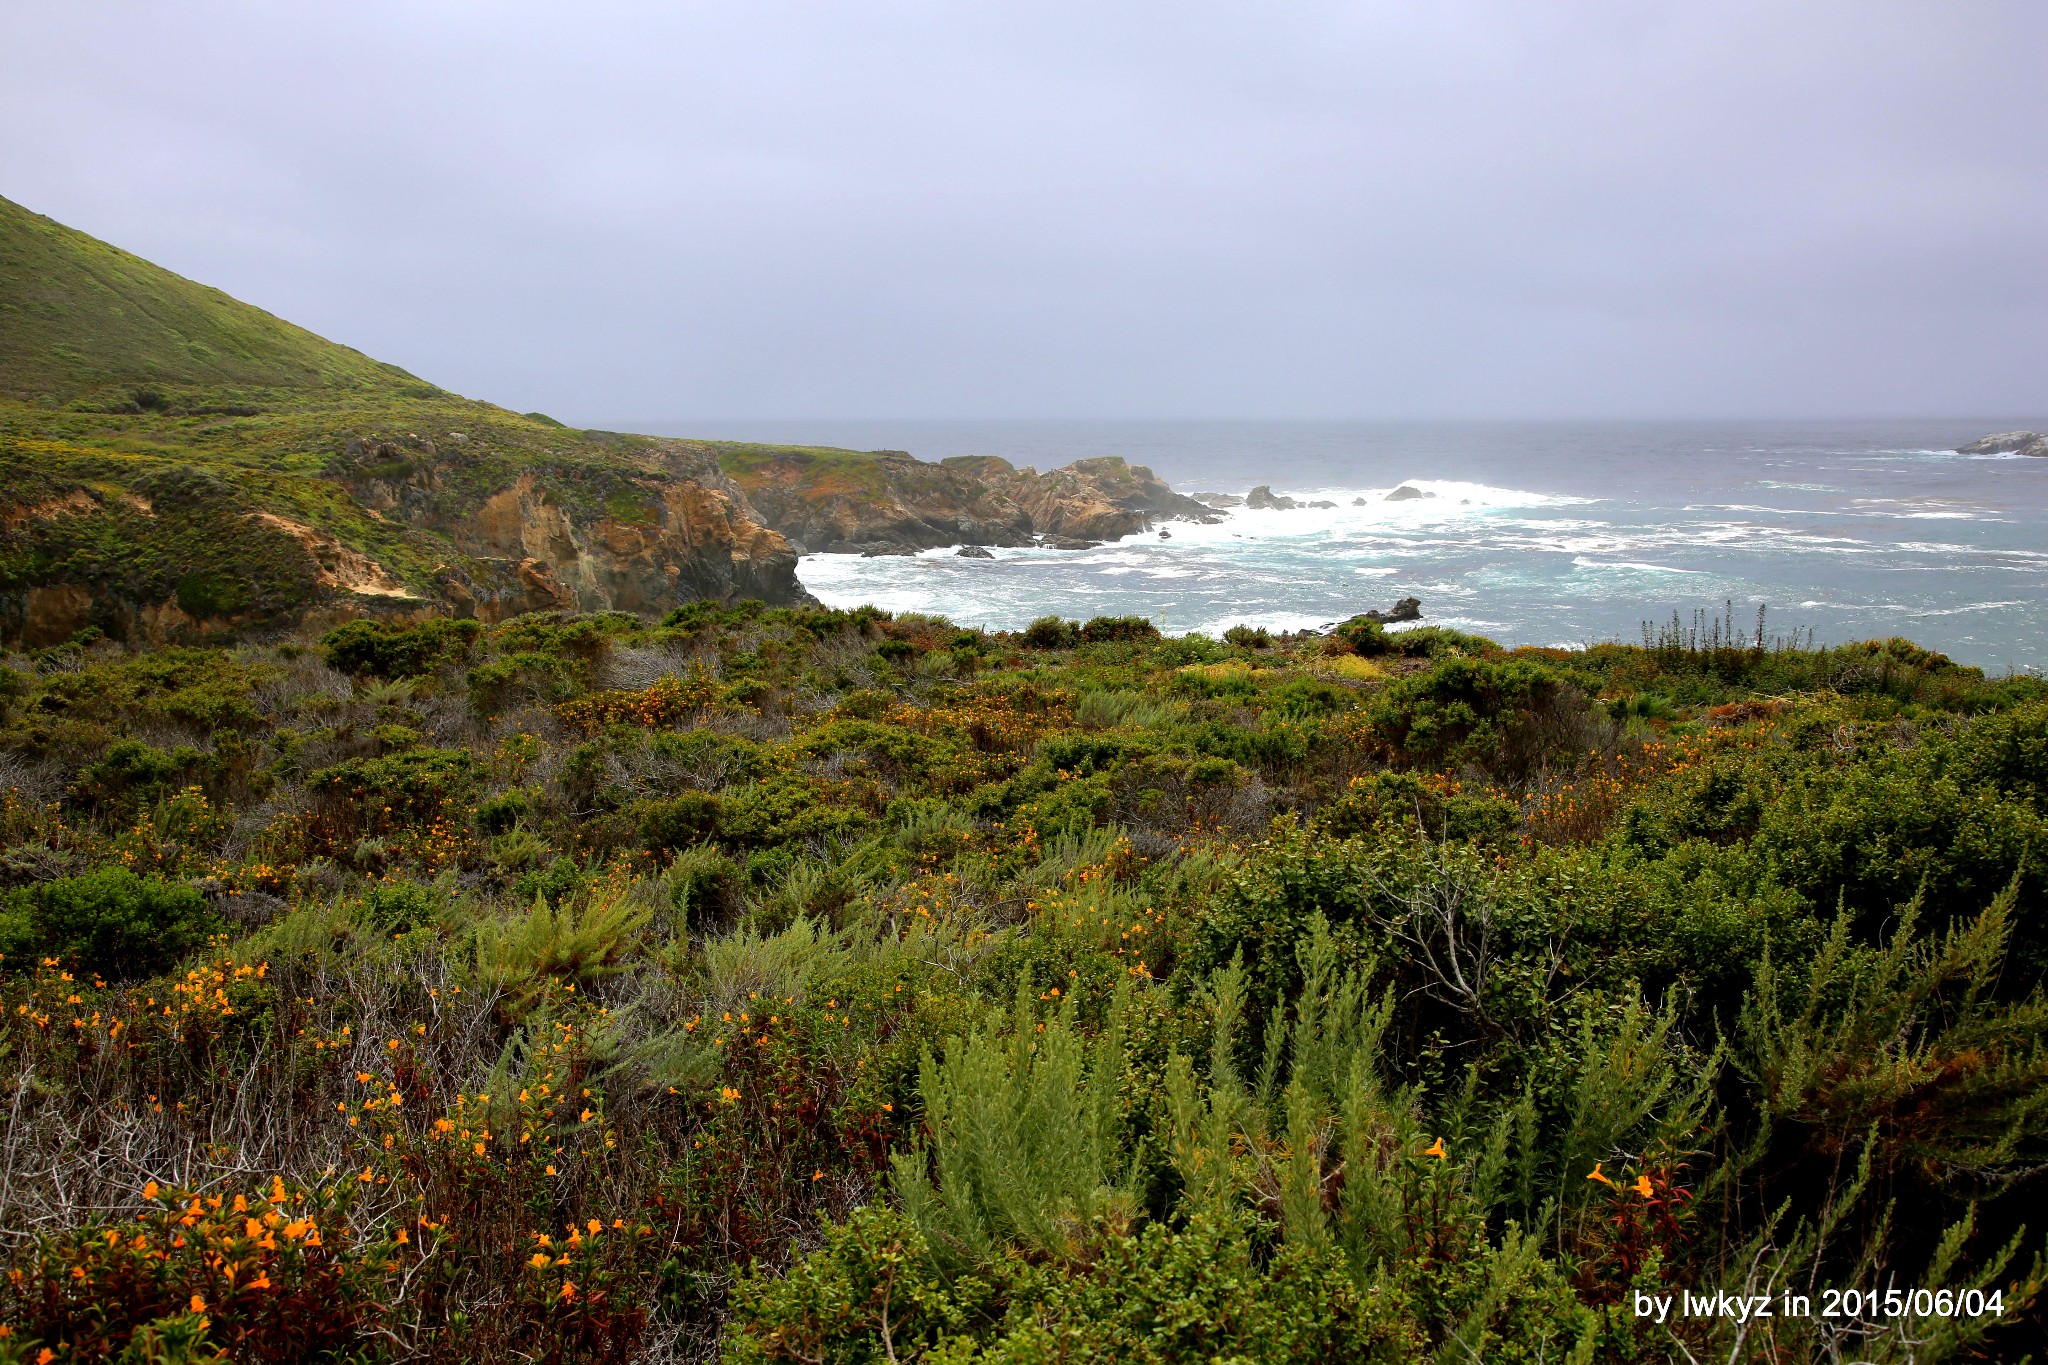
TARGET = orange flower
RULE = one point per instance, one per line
(1595, 1174)
(1436, 1149)
(1643, 1186)
(149, 1190)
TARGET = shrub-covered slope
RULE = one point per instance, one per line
(795, 985)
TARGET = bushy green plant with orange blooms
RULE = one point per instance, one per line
(584, 989)
(277, 1272)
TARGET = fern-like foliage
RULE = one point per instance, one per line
(1024, 1120)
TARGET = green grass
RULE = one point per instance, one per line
(80, 319)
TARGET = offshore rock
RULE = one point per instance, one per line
(1408, 493)
(1407, 609)
(1264, 498)
(2007, 443)
(977, 552)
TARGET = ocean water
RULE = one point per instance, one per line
(1533, 533)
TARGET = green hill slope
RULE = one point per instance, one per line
(176, 464)
(82, 319)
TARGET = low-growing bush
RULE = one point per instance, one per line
(108, 921)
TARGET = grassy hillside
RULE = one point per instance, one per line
(798, 985)
(82, 319)
(176, 464)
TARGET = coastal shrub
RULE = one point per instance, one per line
(410, 785)
(672, 822)
(1439, 807)
(784, 810)
(1360, 635)
(2007, 751)
(569, 942)
(107, 921)
(1050, 632)
(526, 676)
(399, 907)
(500, 813)
(383, 650)
(132, 773)
(1524, 1001)
(1108, 629)
(1504, 716)
(1248, 637)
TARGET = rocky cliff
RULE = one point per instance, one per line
(846, 502)
(657, 524)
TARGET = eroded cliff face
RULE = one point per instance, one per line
(580, 537)
(888, 502)
(183, 556)
(178, 553)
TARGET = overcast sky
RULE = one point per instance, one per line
(778, 208)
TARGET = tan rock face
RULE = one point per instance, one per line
(694, 535)
(338, 566)
(52, 615)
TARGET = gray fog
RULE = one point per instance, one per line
(803, 209)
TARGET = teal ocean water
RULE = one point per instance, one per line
(1537, 533)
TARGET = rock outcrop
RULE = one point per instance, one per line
(2007, 443)
(667, 528)
(886, 502)
(1407, 609)
(1408, 493)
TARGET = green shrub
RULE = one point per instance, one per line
(388, 651)
(1438, 642)
(1400, 800)
(1107, 629)
(132, 773)
(400, 907)
(498, 814)
(672, 822)
(1248, 637)
(1360, 635)
(109, 921)
(411, 785)
(1500, 715)
(1050, 632)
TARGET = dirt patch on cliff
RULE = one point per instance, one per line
(336, 565)
(77, 502)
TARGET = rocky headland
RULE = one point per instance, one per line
(887, 502)
(2007, 443)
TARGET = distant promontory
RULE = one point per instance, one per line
(2007, 443)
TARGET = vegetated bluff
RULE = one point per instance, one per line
(176, 464)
